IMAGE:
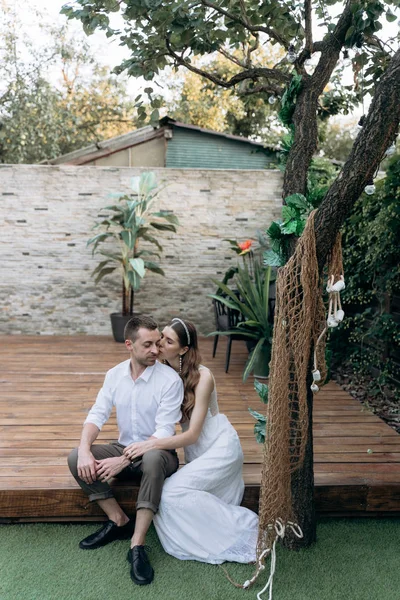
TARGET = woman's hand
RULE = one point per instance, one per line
(137, 449)
(109, 467)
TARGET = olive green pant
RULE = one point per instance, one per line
(151, 469)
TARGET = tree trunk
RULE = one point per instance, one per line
(295, 181)
(376, 136)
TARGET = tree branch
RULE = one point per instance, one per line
(232, 58)
(267, 88)
(330, 49)
(308, 26)
(375, 42)
(253, 73)
(246, 24)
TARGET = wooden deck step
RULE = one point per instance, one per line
(47, 385)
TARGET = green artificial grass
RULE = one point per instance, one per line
(353, 559)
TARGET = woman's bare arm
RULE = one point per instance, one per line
(202, 398)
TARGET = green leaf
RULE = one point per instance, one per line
(260, 432)
(288, 213)
(238, 305)
(350, 32)
(274, 231)
(112, 256)
(154, 267)
(149, 238)
(155, 117)
(103, 273)
(100, 266)
(128, 239)
(137, 265)
(232, 242)
(300, 227)
(134, 280)
(257, 415)
(390, 16)
(223, 300)
(267, 279)
(115, 207)
(147, 253)
(163, 226)
(242, 324)
(248, 334)
(97, 239)
(290, 227)
(252, 359)
(262, 390)
(297, 200)
(167, 216)
(273, 259)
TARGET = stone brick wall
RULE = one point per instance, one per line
(47, 216)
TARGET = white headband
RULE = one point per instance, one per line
(185, 327)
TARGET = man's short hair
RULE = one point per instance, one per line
(135, 323)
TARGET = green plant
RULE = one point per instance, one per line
(252, 300)
(261, 420)
(129, 222)
(294, 214)
(371, 336)
(243, 249)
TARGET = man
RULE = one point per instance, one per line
(147, 396)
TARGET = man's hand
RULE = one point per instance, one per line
(139, 448)
(86, 466)
(109, 467)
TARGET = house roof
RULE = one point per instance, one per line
(133, 138)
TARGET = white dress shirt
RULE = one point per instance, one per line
(149, 406)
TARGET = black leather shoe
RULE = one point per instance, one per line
(142, 572)
(108, 533)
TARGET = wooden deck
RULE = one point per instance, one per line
(47, 385)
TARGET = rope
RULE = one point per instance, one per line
(280, 529)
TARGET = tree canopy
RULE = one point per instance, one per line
(159, 34)
(56, 98)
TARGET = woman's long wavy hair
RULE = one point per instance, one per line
(190, 373)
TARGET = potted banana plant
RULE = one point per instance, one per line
(129, 222)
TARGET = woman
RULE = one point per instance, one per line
(199, 516)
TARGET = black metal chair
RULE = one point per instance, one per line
(227, 319)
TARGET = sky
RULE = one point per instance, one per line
(108, 51)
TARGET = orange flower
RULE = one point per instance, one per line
(245, 245)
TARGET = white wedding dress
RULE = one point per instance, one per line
(200, 517)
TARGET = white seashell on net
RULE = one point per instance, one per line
(316, 375)
(331, 322)
(339, 315)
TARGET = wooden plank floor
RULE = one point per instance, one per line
(47, 385)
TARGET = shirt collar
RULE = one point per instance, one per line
(147, 372)
(145, 375)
